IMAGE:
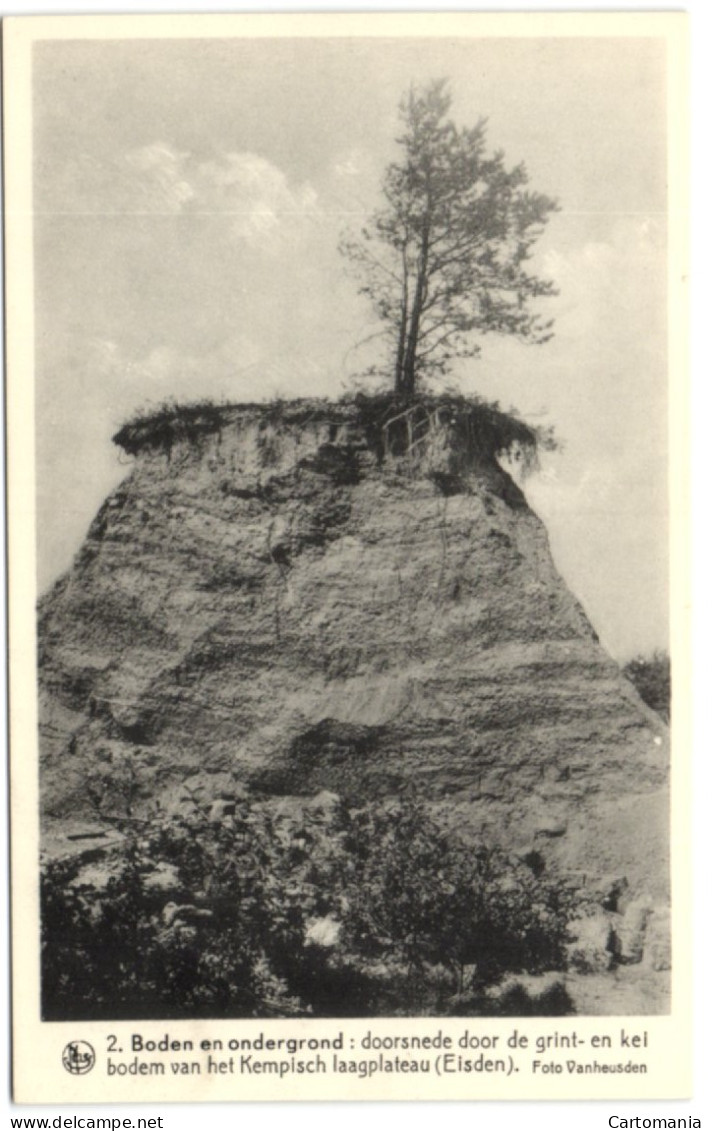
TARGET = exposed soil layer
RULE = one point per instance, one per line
(313, 599)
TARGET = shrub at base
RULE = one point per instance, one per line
(332, 912)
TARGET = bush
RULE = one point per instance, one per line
(651, 678)
(421, 896)
(328, 913)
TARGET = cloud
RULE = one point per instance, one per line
(261, 207)
(160, 176)
(113, 384)
(150, 180)
(255, 194)
(121, 383)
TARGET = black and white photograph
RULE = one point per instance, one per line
(350, 397)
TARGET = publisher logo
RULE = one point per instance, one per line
(78, 1057)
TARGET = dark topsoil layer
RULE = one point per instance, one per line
(474, 424)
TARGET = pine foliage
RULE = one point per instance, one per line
(445, 260)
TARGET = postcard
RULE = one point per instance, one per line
(348, 532)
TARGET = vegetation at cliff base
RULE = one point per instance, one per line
(650, 675)
(326, 912)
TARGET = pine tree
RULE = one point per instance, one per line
(445, 260)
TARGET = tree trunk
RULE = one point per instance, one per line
(402, 335)
(403, 327)
(411, 351)
(416, 311)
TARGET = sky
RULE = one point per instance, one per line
(189, 198)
